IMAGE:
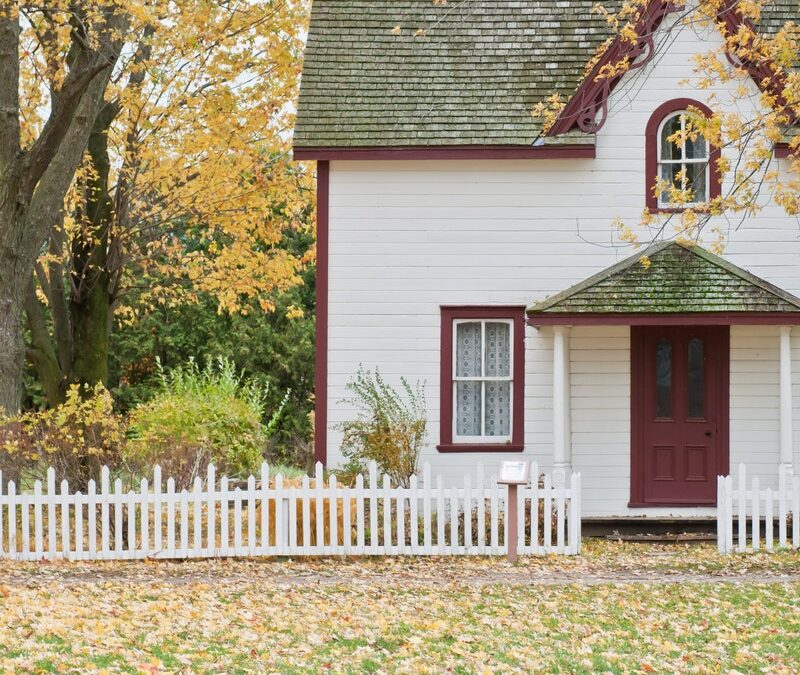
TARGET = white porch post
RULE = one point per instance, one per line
(787, 445)
(562, 445)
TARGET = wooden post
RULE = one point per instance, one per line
(562, 452)
(511, 532)
(786, 436)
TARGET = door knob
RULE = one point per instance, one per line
(708, 433)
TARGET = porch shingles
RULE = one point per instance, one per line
(678, 279)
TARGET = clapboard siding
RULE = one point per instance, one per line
(409, 236)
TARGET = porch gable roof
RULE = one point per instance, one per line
(680, 279)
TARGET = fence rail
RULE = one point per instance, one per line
(743, 503)
(273, 516)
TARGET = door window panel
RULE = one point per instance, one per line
(696, 382)
(664, 378)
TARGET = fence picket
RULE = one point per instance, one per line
(494, 505)
(729, 512)
(118, 517)
(171, 516)
(796, 512)
(197, 503)
(78, 525)
(293, 521)
(51, 513)
(742, 515)
(387, 515)
(480, 496)
(158, 541)
(426, 509)
(359, 514)
(91, 513)
(265, 507)
(782, 506)
(768, 523)
(280, 548)
(175, 529)
(211, 524)
(440, 515)
(401, 522)
(373, 507)
(560, 518)
(756, 519)
(224, 538)
(413, 511)
(453, 520)
(132, 523)
(534, 545)
(318, 486)
(251, 515)
(145, 493)
(306, 497)
(347, 531)
(38, 540)
(237, 521)
(332, 512)
(184, 507)
(547, 510)
(12, 520)
(468, 514)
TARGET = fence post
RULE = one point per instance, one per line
(721, 516)
(511, 533)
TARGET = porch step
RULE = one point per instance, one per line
(683, 538)
(651, 529)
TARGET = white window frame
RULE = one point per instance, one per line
(682, 161)
(484, 379)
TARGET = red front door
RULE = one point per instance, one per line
(679, 408)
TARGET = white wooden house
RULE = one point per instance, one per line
(461, 246)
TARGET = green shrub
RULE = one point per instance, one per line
(201, 416)
(389, 427)
(76, 438)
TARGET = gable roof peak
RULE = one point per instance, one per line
(681, 277)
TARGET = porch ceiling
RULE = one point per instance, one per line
(682, 284)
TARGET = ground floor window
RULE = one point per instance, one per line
(482, 378)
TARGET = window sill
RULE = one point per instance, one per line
(673, 209)
(480, 447)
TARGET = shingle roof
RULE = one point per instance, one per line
(679, 279)
(472, 78)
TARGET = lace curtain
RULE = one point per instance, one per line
(483, 350)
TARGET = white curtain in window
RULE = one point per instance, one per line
(498, 409)
(468, 364)
(483, 407)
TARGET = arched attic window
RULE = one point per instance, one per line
(690, 165)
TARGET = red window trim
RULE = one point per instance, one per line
(449, 314)
(651, 153)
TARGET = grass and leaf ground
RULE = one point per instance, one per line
(617, 608)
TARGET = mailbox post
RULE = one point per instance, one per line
(512, 473)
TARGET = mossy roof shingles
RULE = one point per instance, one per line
(472, 78)
(678, 279)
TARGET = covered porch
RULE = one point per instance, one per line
(707, 376)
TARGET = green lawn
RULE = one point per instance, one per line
(699, 613)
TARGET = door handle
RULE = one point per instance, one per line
(708, 433)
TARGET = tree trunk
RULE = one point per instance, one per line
(12, 347)
(90, 306)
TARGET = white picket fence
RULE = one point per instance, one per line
(276, 517)
(744, 503)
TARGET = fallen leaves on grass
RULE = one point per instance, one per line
(442, 615)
